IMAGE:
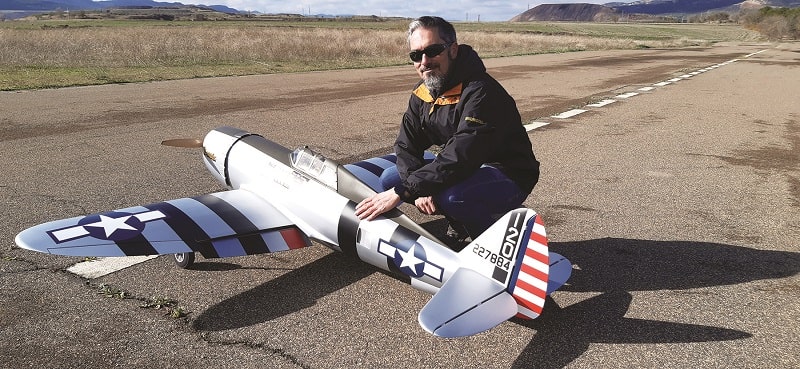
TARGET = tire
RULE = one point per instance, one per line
(184, 260)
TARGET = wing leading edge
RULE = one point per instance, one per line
(223, 224)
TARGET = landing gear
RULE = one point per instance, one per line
(184, 259)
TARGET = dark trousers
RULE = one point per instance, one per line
(475, 203)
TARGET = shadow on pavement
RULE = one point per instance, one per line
(611, 266)
(614, 266)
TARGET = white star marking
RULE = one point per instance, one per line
(409, 260)
(111, 225)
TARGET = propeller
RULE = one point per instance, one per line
(183, 142)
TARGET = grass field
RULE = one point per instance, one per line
(48, 54)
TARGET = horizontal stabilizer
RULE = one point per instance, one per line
(468, 303)
(560, 271)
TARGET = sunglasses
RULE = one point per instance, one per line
(430, 51)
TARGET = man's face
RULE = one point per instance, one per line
(433, 70)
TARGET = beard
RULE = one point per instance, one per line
(436, 82)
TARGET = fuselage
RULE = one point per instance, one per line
(319, 196)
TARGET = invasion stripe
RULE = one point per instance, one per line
(208, 220)
(137, 246)
(401, 234)
(248, 233)
(370, 167)
(347, 229)
(186, 229)
(228, 247)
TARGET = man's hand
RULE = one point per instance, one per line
(378, 204)
(426, 205)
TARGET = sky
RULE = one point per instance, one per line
(462, 10)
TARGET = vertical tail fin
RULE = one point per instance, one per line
(514, 252)
(507, 271)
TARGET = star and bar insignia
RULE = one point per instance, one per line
(113, 226)
(410, 258)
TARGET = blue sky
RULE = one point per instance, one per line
(487, 10)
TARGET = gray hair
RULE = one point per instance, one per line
(446, 31)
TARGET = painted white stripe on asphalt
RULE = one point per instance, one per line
(686, 76)
(569, 114)
(662, 84)
(104, 266)
(675, 79)
(755, 53)
(626, 95)
(533, 125)
(602, 103)
(648, 88)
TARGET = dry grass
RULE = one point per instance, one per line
(80, 53)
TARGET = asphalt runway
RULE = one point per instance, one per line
(678, 204)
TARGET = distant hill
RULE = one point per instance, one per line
(664, 7)
(566, 12)
(48, 5)
(644, 9)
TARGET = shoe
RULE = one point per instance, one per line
(454, 238)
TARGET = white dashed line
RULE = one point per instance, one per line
(569, 114)
(602, 103)
(533, 125)
(626, 95)
(574, 112)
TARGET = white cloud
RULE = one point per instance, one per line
(493, 10)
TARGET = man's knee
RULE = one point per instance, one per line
(390, 178)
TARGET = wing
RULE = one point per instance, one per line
(369, 171)
(223, 224)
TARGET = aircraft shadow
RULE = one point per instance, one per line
(291, 292)
(611, 266)
(615, 266)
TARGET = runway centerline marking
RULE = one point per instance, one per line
(574, 112)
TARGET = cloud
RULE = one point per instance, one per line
(471, 10)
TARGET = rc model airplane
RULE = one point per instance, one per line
(281, 199)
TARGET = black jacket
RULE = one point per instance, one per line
(475, 121)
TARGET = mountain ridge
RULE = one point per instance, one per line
(654, 9)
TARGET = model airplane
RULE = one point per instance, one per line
(282, 199)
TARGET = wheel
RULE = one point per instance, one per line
(184, 259)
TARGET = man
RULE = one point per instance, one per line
(486, 166)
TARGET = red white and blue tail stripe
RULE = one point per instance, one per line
(529, 284)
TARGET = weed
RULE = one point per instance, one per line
(113, 292)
